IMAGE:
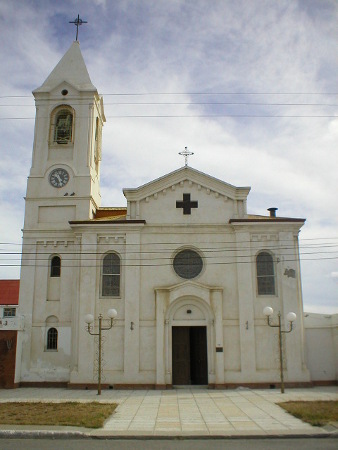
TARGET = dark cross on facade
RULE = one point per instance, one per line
(186, 204)
(77, 22)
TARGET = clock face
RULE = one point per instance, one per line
(58, 178)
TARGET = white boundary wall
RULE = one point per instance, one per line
(321, 334)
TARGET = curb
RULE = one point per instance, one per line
(36, 434)
(43, 434)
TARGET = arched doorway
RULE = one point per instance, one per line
(191, 305)
(190, 327)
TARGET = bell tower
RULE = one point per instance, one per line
(64, 180)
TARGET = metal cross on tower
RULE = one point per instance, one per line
(77, 22)
(186, 154)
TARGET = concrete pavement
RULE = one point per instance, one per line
(181, 412)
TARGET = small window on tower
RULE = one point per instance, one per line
(55, 266)
(63, 127)
(52, 339)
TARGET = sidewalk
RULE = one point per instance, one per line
(181, 412)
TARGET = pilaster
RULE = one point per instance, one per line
(216, 303)
(26, 303)
(132, 307)
(160, 344)
(86, 305)
(291, 300)
(246, 305)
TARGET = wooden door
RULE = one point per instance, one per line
(189, 355)
(181, 355)
(198, 355)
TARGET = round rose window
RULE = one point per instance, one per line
(188, 264)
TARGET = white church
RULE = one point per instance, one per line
(185, 266)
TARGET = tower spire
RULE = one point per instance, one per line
(72, 69)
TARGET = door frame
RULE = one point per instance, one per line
(207, 301)
(204, 319)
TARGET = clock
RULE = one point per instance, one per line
(58, 178)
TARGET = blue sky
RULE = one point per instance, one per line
(271, 67)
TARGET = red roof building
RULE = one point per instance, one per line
(9, 292)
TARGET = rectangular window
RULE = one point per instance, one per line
(111, 285)
(9, 312)
(266, 285)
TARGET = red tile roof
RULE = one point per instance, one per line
(9, 292)
(110, 212)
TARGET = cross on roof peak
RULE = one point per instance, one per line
(186, 153)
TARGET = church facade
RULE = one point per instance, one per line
(187, 269)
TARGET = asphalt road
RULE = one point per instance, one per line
(326, 443)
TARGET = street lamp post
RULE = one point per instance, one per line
(89, 319)
(291, 317)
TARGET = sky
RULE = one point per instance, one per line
(249, 86)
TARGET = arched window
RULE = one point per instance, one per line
(55, 266)
(265, 274)
(52, 339)
(111, 271)
(63, 126)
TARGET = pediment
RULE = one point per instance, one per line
(186, 196)
(186, 176)
(72, 90)
(188, 290)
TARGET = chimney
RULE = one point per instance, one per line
(272, 211)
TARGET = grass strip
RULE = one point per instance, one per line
(88, 415)
(317, 413)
